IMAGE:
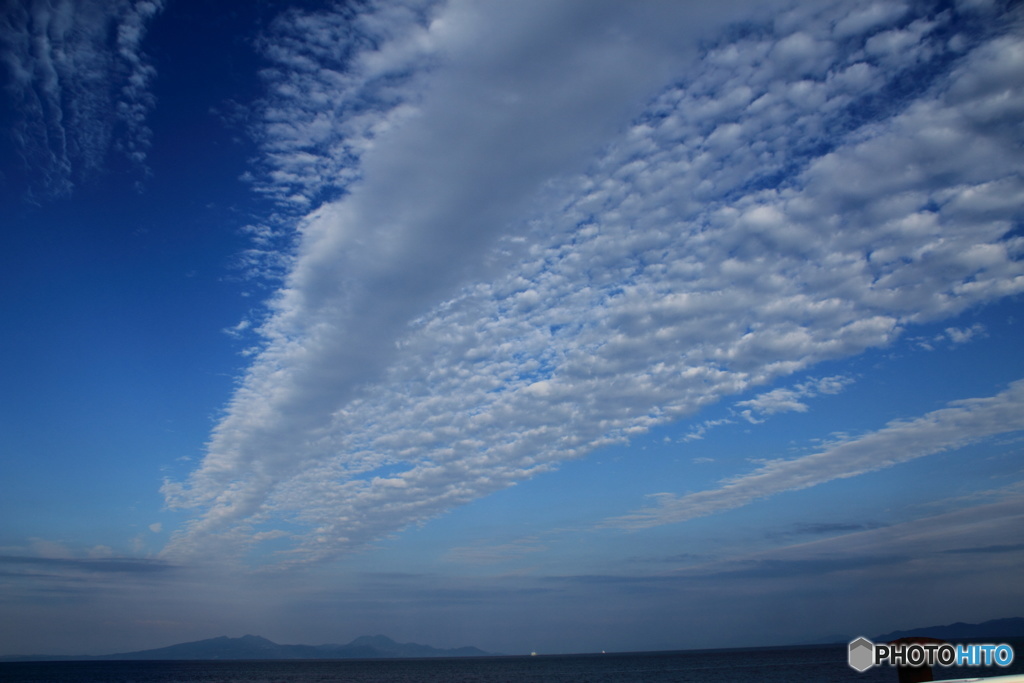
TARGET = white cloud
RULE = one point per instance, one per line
(446, 331)
(238, 329)
(959, 336)
(698, 432)
(952, 336)
(961, 423)
(869, 16)
(78, 74)
(785, 399)
(337, 80)
(781, 400)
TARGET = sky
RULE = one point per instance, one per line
(537, 326)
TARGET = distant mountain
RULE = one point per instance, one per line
(994, 629)
(255, 647)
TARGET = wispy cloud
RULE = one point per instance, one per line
(940, 543)
(699, 431)
(790, 399)
(935, 544)
(474, 310)
(987, 549)
(103, 565)
(962, 423)
(781, 400)
(80, 83)
(832, 528)
(494, 554)
(951, 336)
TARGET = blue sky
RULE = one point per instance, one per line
(533, 326)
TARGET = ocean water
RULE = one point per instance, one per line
(826, 664)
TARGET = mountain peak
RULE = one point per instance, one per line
(375, 641)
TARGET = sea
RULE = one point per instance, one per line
(826, 664)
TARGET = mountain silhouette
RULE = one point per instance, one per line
(257, 647)
(994, 629)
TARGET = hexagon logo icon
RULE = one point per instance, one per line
(862, 654)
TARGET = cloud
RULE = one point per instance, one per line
(863, 553)
(699, 431)
(779, 400)
(770, 568)
(490, 105)
(490, 296)
(998, 549)
(23, 566)
(337, 79)
(958, 336)
(963, 422)
(939, 544)
(952, 336)
(785, 400)
(825, 529)
(494, 554)
(80, 83)
(833, 528)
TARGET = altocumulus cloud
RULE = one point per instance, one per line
(80, 84)
(551, 226)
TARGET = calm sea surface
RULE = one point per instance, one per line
(764, 665)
